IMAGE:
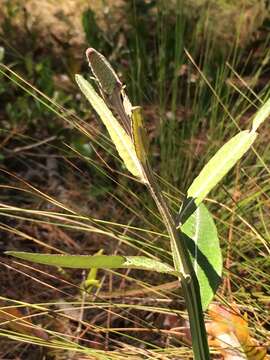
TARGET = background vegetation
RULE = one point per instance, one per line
(200, 69)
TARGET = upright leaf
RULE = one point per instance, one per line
(110, 87)
(201, 238)
(225, 158)
(138, 134)
(103, 71)
(118, 135)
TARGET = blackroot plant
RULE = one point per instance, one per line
(196, 254)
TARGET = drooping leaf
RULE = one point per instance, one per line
(118, 135)
(96, 261)
(216, 168)
(231, 334)
(201, 238)
(261, 115)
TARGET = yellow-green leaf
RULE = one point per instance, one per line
(216, 168)
(138, 134)
(261, 115)
(122, 141)
(96, 261)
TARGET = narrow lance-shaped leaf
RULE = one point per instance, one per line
(96, 261)
(138, 134)
(110, 86)
(103, 71)
(261, 115)
(118, 135)
(201, 238)
(225, 158)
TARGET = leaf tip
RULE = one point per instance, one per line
(89, 52)
(78, 77)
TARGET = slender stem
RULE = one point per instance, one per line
(183, 264)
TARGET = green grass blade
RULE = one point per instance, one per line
(225, 158)
(118, 135)
(96, 261)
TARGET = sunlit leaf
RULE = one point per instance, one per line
(96, 261)
(202, 241)
(118, 135)
(216, 168)
(261, 115)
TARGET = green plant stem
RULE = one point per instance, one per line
(183, 265)
(111, 85)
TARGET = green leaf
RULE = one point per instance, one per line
(216, 168)
(201, 238)
(103, 71)
(118, 135)
(138, 133)
(96, 261)
(261, 115)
